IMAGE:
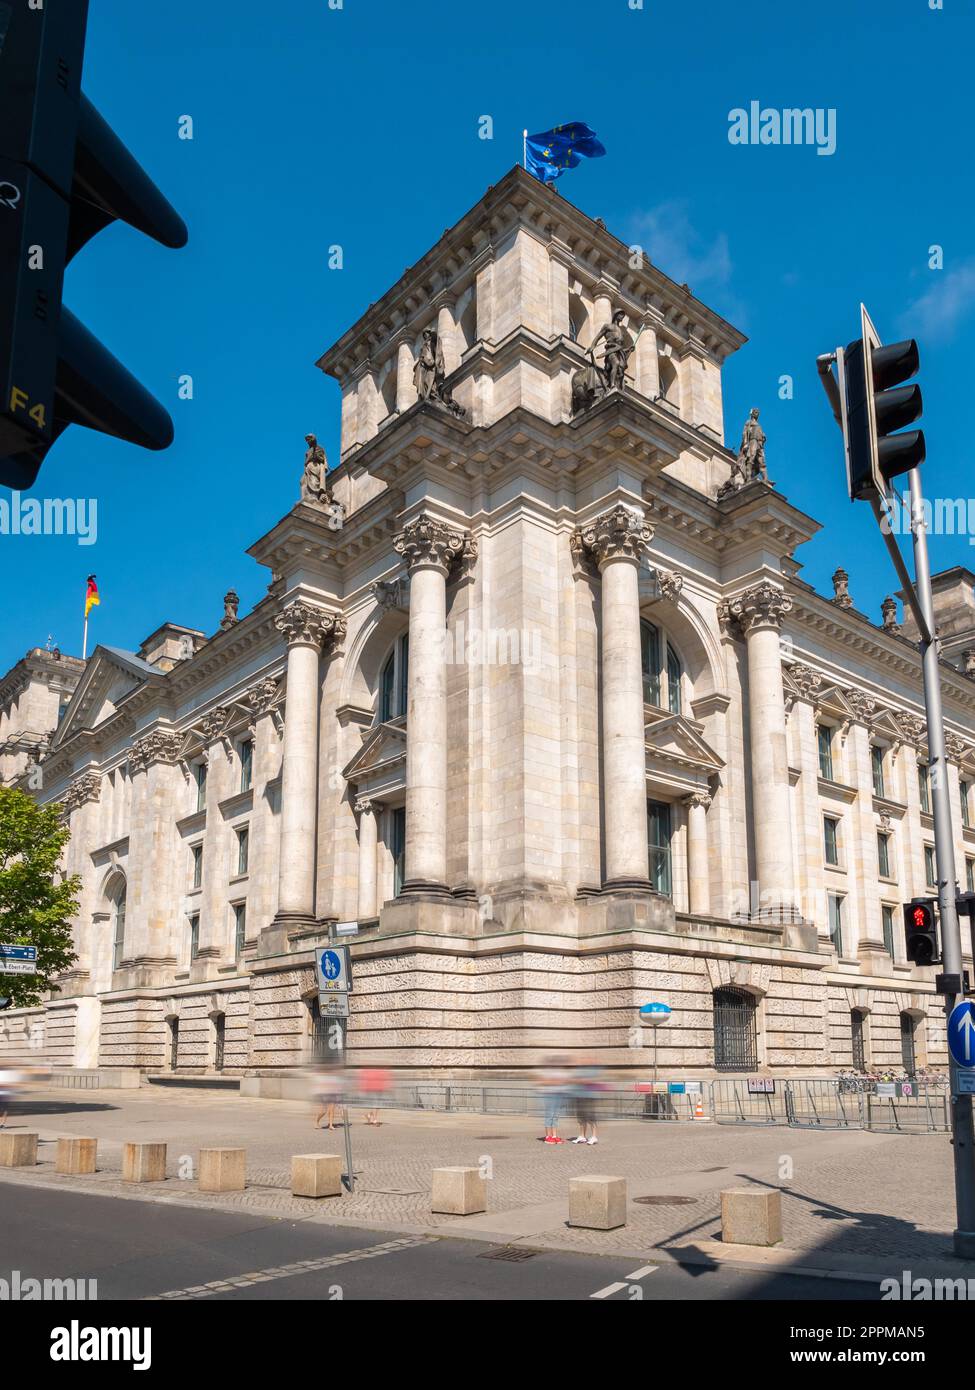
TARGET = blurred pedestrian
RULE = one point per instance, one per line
(330, 1085)
(553, 1081)
(587, 1086)
(373, 1083)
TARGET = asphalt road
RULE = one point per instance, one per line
(139, 1250)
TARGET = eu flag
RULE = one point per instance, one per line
(549, 154)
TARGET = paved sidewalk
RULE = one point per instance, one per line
(851, 1200)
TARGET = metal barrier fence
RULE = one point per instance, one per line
(733, 1104)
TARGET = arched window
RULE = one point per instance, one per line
(857, 1018)
(908, 1049)
(659, 831)
(669, 382)
(662, 669)
(393, 681)
(173, 1044)
(219, 1039)
(578, 321)
(735, 1030)
(118, 930)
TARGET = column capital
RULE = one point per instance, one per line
(427, 543)
(619, 534)
(763, 606)
(864, 707)
(703, 799)
(304, 625)
(260, 698)
(87, 787)
(367, 806)
(955, 748)
(161, 746)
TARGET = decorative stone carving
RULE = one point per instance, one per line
(617, 534)
(969, 659)
(427, 541)
(911, 727)
(161, 746)
(841, 589)
(699, 799)
(888, 613)
(955, 747)
(366, 805)
(807, 681)
(304, 624)
(213, 724)
(885, 820)
(429, 376)
(762, 606)
(260, 697)
(87, 787)
(864, 706)
(392, 594)
(314, 479)
(666, 584)
(231, 602)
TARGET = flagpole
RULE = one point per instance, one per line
(84, 641)
(524, 146)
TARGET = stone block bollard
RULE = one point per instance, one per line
(597, 1202)
(316, 1175)
(459, 1191)
(143, 1162)
(18, 1150)
(76, 1155)
(751, 1216)
(223, 1170)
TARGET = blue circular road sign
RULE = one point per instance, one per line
(331, 965)
(961, 1034)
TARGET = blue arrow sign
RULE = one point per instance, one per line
(18, 953)
(961, 1034)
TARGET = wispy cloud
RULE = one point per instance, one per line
(674, 245)
(936, 315)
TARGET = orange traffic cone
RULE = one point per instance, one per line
(699, 1108)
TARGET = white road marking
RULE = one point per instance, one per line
(639, 1273)
(260, 1276)
(608, 1291)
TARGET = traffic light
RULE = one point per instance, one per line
(921, 931)
(64, 175)
(876, 406)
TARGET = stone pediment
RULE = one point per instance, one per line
(381, 750)
(678, 740)
(109, 677)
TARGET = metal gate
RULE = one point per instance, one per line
(735, 1031)
(823, 1104)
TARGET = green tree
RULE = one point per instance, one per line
(37, 900)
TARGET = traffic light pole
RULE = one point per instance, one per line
(963, 1135)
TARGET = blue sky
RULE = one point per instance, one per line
(359, 126)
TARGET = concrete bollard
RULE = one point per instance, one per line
(223, 1170)
(459, 1191)
(143, 1162)
(751, 1216)
(18, 1150)
(597, 1202)
(76, 1155)
(316, 1175)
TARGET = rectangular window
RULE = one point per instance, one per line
(240, 927)
(887, 916)
(883, 854)
(243, 837)
(397, 846)
(836, 922)
(825, 736)
(831, 848)
(930, 867)
(658, 839)
(966, 816)
(970, 875)
(197, 852)
(877, 768)
(650, 653)
(200, 773)
(194, 936)
(246, 764)
(924, 787)
(673, 680)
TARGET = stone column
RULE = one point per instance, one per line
(446, 334)
(307, 630)
(698, 873)
(429, 548)
(646, 370)
(81, 810)
(405, 386)
(214, 904)
(618, 540)
(862, 856)
(368, 812)
(602, 306)
(760, 610)
(151, 898)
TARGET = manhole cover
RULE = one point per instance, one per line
(515, 1253)
(664, 1201)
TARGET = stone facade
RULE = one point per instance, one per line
(561, 730)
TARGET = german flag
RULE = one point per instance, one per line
(91, 596)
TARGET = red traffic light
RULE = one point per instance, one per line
(921, 917)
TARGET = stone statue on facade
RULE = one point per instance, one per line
(231, 603)
(590, 383)
(430, 373)
(314, 480)
(751, 454)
